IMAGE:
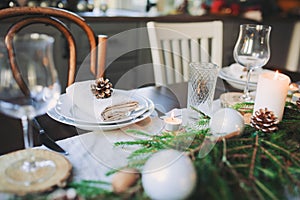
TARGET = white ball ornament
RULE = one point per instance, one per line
(226, 121)
(169, 174)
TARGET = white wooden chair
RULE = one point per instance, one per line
(293, 57)
(175, 45)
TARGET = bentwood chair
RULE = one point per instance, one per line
(59, 19)
(174, 45)
(57, 23)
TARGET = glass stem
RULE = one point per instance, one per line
(28, 137)
(246, 96)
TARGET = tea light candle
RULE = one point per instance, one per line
(172, 123)
(271, 93)
(295, 97)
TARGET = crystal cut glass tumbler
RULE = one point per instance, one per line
(201, 85)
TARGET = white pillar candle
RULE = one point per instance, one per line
(271, 92)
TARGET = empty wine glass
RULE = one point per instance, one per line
(29, 89)
(252, 50)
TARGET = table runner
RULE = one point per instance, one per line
(93, 154)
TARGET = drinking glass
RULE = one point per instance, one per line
(201, 85)
(26, 92)
(252, 50)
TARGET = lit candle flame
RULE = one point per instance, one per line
(276, 75)
(172, 114)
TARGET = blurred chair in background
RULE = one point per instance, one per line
(175, 45)
(293, 56)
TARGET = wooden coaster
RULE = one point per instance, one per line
(59, 178)
(230, 98)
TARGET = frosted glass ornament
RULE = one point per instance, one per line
(169, 174)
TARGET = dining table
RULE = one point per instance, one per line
(92, 153)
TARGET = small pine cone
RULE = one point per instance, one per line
(264, 120)
(298, 103)
(102, 88)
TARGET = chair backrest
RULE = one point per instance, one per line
(175, 45)
(56, 18)
(293, 57)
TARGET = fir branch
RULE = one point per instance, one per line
(293, 157)
(265, 189)
(238, 156)
(246, 107)
(240, 165)
(136, 142)
(254, 154)
(257, 192)
(141, 151)
(202, 114)
(238, 148)
(192, 151)
(110, 172)
(277, 162)
(137, 163)
(90, 188)
(241, 182)
(267, 172)
(291, 105)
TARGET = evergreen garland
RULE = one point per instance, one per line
(254, 165)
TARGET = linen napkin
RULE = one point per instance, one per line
(80, 96)
(119, 111)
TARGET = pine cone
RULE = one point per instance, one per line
(264, 120)
(102, 88)
(298, 103)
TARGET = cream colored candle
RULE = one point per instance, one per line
(271, 93)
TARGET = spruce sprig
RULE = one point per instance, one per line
(91, 188)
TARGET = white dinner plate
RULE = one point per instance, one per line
(92, 127)
(65, 108)
(238, 81)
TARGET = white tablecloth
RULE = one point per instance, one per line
(93, 154)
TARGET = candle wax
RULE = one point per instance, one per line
(271, 93)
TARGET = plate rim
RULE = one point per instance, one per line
(91, 127)
(81, 121)
(223, 74)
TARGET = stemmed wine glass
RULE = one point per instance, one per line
(29, 89)
(252, 50)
